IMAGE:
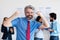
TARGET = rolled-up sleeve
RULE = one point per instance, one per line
(39, 24)
(15, 22)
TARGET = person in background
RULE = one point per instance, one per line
(54, 27)
(7, 31)
(39, 32)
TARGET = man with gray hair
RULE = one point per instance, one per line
(26, 26)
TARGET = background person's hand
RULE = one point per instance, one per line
(11, 30)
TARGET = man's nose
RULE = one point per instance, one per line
(29, 13)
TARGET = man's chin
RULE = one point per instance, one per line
(29, 18)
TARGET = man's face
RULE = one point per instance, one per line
(29, 13)
(51, 19)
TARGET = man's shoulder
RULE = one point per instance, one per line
(36, 22)
(55, 22)
(20, 18)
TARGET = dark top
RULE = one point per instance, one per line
(5, 32)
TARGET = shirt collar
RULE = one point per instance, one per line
(54, 21)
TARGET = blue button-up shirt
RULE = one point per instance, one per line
(56, 28)
(21, 27)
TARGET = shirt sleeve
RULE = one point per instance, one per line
(58, 27)
(14, 22)
(38, 24)
(55, 28)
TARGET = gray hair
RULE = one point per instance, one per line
(30, 7)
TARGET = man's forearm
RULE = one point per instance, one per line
(14, 15)
(7, 23)
(44, 19)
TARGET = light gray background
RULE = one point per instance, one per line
(8, 7)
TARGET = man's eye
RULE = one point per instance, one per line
(31, 12)
(27, 12)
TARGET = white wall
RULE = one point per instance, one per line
(8, 7)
